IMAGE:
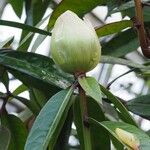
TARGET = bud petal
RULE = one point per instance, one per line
(75, 47)
(128, 138)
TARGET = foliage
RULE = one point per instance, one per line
(57, 100)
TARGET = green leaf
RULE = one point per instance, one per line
(6, 43)
(17, 6)
(23, 27)
(114, 27)
(17, 129)
(34, 70)
(91, 87)
(80, 7)
(78, 120)
(25, 42)
(99, 137)
(4, 138)
(49, 122)
(4, 77)
(121, 44)
(110, 126)
(63, 139)
(122, 109)
(140, 106)
(121, 61)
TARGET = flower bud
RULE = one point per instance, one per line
(128, 138)
(75, 47)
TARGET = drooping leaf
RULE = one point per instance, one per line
(91, 87)
(144, 139)
(6, 43)
(114, 27)
(4, 138)
(34, 70)
(80, 7)
(122, 109)
(23, 27)
(140, 106)
(49, 122)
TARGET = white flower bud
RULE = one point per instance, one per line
(75, 47)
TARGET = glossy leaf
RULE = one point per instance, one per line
(110, 126)
(80, 7)
(34, 70)
(122, 109)
(91, 87)
(114, 27)
(49, 122)
(100, 138)
(121, 44)
(23, 27)
(140, 106)
(4, 138)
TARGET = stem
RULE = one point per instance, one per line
(145, 45)
(84, 112)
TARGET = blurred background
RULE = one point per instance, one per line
(126, 87)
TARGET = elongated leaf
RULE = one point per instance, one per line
(80, 7)
(140, 106)
(17, 6)
(4, 138)
(24, 27)
(48, 123)
(121, 44)
(126, 115)
(80, 127)
(34, 70)
(91, 87)
(110, 126)
(63, 139)
(17, 130)
(100, 138)
(25, 42)
(115, 60)
(113, 27)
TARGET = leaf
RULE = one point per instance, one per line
(49, 122)
(91, 87)
(17, 130)
(80, 7)
(99, 137)
(140, 106)
(23, 27)
(25, 42)
(84, 138)
(121, 61)
(4, 138)
(17, 6)
(6, 43)
(121, 44)
(123, 111)
(113, 27)
(63, 139)
(110, 126)
(34, 70)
